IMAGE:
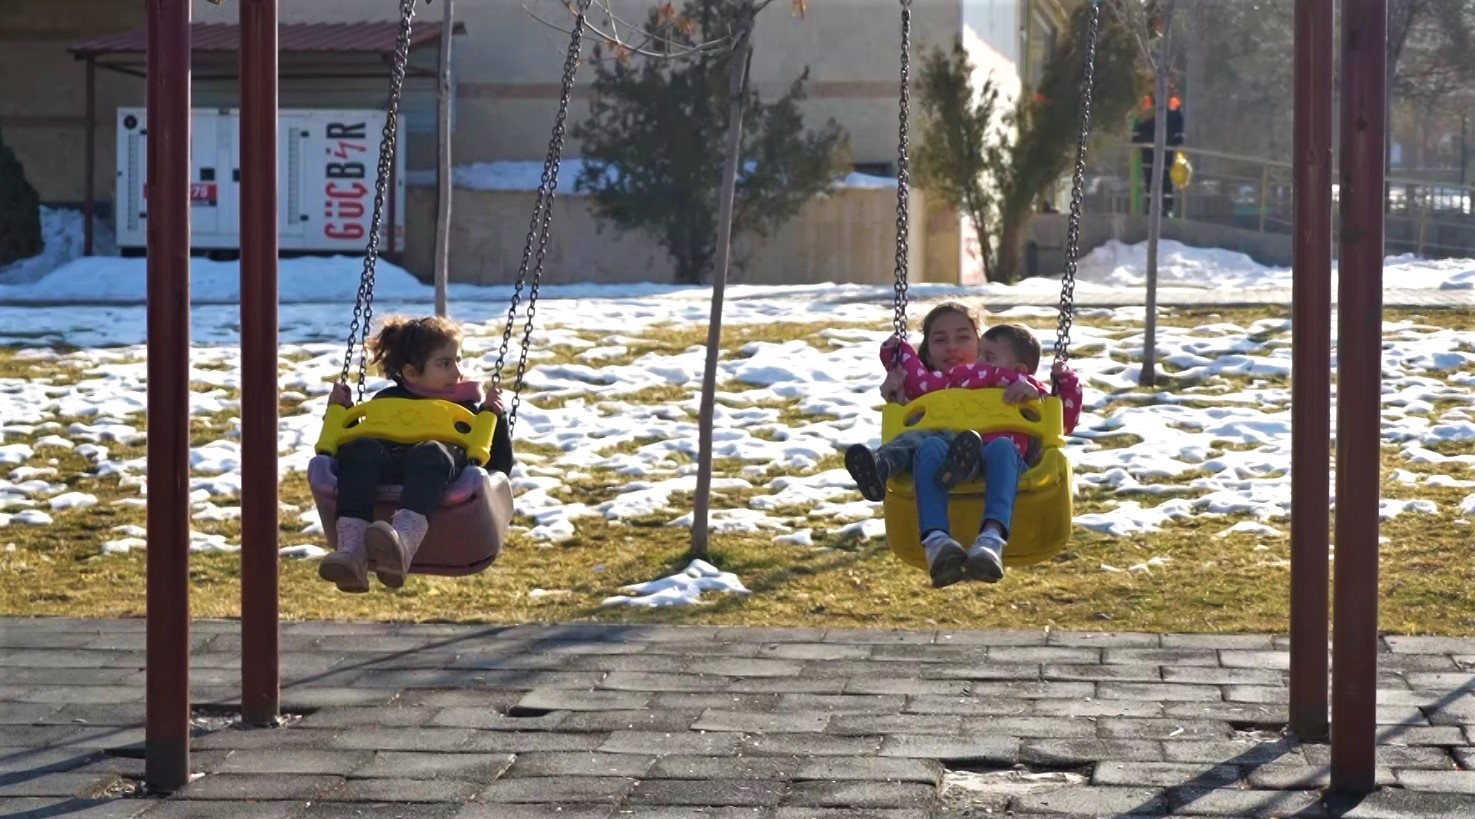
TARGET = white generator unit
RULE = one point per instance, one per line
(327, 164)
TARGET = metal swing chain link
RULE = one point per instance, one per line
(1077, 192)
(546, 194)
(363, 308)
(903, 179)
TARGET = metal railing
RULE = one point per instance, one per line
(1424, 217)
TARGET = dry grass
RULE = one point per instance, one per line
(1237, 583)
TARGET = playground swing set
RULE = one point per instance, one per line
(468, 534)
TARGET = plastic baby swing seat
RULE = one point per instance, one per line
(467, 532)
(1045, 503)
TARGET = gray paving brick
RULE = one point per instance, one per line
(1105, 639)
(879, 769)
(841, 703)
(1092, 801)
(1201, 675)
(388, 739)
(36, 807)
(557, 790)
(1043, 654)
(492, 721)
(1097, 708)
(85, 785)
(1084, 750)
(101, 694)
(1464, 756)
(16, 637)
(865, 724)
(40, 736)
(332, 697)
(1433, 680)
(289, 761)
(1235, 712)
(767, 723)
(1161, 656)
(1243, 642)
(58, 657)
(409, 765)
(488, 678)
(264, 738)
(1231, 802)
(1259, 694)
(492, 699)
(378, 810)
(1031, 727)
(648, 720)
(851, 813)
(1446, 735)
(1236, 752)
(1176, 730)
(699, 701)
(929, 654)
(21, 759)
(1393, 803)
(518, 742)
(744, 648)
(998, 750)
(640, 681)
(1439, 781)
(1290, 777)
(404, 790)
(1164, 774)
(852, 795)
(1458, 712)
(980, 671)
(972, 706)
(27, 713)
(119, 715)
(44, 677)
(745, 667)
(194, 809)
(716, 792)
(1103, 673)
(651, 742)
(994, 637)
(760, 634)
(907, 686)
(1391, 756)
(789, 685)
(1034, 689)
(1429, 645)
(578, 763)
(864, 636)
(1158, 692)
(1280, 660)
(383, 716)
(698, 812)
(808, 745)
(1417, 662)
(565, 700)
(512, 811)
(249, 787)
(723, 767)
(815, 651)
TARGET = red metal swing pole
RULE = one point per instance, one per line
(1359, 383)
(166, 732)
(1311, 365)
(260, 637)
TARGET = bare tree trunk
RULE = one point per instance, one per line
(742, 55)
(1164, 64)
(444, 181)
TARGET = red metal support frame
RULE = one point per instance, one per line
(1359, 382)
(1311, 367)
(260, 629)
(166, 734)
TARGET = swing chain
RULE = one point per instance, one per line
(903, 179)
(541, 224)
(363, 308)
(1077, 192)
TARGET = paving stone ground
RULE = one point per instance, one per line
(602, 721)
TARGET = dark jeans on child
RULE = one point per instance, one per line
(424, 470)
(900, 453)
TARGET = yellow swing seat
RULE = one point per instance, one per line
(1045, 504)
(410, 421)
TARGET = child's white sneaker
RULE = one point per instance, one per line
(945, 558)
(985, 561)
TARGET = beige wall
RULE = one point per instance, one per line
(848, 236)
(43, 90)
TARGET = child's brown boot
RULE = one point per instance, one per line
(346, 567)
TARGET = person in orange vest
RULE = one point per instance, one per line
(1144, 133)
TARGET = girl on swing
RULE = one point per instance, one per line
(953, 355)
(422, 357)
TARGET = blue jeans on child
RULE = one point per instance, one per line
(1001, 467)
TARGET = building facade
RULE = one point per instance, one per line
(506, 73)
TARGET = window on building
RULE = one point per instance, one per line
(1041, 44)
